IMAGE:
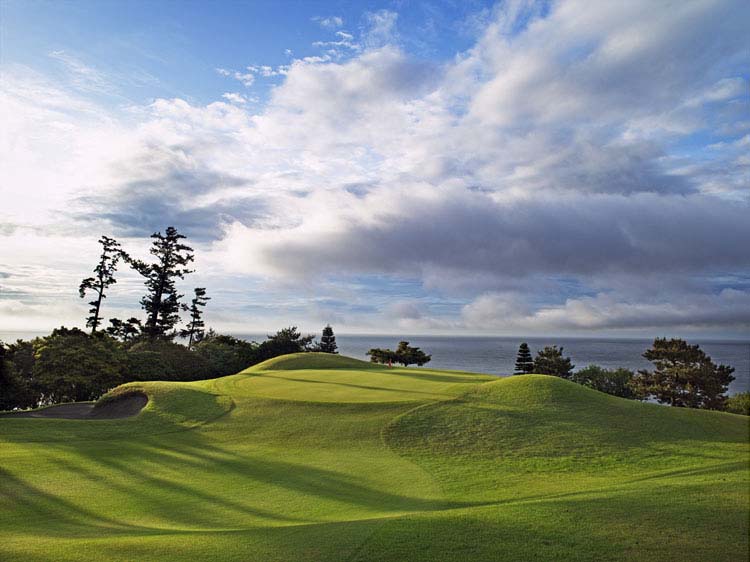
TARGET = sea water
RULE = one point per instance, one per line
(497, 355)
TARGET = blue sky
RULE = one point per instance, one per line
(511, 168)
(167, 49)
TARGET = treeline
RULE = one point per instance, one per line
(683, 376)
(71, 365)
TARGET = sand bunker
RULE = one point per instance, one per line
(124, 407)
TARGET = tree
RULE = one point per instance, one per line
(288, 340)
(524, 361)
(328, 341)
(226, 355)
(550, 361)
(407, 355)
(70, 365)
(126, 331)
(616, 382)
(162, 359)
(17, 389)
(739, 404)
(105, 277)
(404, 354)
(162, 302)
(382, 356)
(683, 376)
(195, 330)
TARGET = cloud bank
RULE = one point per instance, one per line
(581, 168)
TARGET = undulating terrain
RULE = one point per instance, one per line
(319, 457)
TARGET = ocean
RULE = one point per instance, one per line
(497, 355)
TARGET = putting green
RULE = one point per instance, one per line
(319, 457)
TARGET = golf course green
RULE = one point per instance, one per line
(321, 457)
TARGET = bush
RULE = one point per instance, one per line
(226, 355)
(739, 404)
(615, 382)
(165, 360)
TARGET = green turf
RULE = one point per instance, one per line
(314, 457)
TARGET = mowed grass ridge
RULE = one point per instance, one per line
(319, 457)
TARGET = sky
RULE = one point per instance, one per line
(459, 167)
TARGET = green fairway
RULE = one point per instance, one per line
(320, 457)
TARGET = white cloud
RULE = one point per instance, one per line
(329, 22)
(343, 40)
(380, 29)
(246, 78)
(234, 97)
(83, 76)
(549, 150)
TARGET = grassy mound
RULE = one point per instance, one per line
(295, 361)
(312, 457)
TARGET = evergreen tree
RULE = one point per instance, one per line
(162, 301)
(195, 330)
(105, 277)
(382, 356)
(404, 354)
(524, 360)
(328, 341)
(287, 340)
(407, 355)
(125, 331)
(684, 376)
(550, 361)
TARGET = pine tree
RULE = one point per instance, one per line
(195, 329)
(125, 331)
(550, 361)
(162, 301)
(524, 361)
(407, 355)
(684, 376)
(105, 277)
(328, 341)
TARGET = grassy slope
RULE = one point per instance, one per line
(325, 458)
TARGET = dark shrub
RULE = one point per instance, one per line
(739, 404)
(616, 382)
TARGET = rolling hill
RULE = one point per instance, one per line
(320, 457)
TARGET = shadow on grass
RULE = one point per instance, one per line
(182, 480)
(32, 502)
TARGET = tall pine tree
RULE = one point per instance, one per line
(524, 360)
(162, 301)
(195, 329)
(105, 277)
(328, 341)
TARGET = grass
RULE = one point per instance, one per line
(315, 457)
